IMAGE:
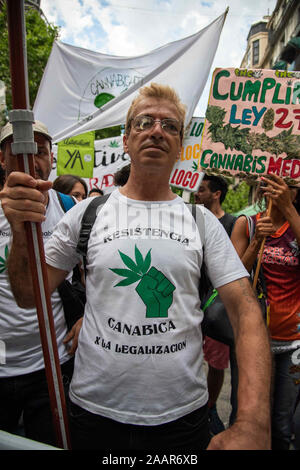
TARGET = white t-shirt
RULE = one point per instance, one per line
(20, 343)
(139, 358)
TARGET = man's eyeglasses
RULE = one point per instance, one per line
(145, 123)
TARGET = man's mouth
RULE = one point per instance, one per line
(153, 146)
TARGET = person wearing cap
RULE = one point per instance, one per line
(139, 380)
(23, 385)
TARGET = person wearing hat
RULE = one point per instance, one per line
(23, 385)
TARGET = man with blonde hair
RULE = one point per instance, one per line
(139, 380)
(157, 92)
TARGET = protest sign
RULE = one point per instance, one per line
(109, 157)
(185, 174)
(75, 155)
(252, 125)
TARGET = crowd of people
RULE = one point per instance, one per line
(133, 364)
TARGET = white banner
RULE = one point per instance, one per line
(83, 90)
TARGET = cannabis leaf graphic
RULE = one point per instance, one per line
(136, 269)
(3, 262)
(114, 144)
(155, 290)
(195, 166)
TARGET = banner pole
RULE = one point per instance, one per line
(261, 250)
(24, 149)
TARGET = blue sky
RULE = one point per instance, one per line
(134, 27)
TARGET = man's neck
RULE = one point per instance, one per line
(220, 214)
(217, 210)
(148, 187)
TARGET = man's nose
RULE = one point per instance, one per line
(156, 130)
(35, 161)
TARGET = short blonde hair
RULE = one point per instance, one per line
(156, 90)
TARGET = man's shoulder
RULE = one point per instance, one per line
(56, 209)
(229, 216)
(74, 215)
(63, 201)
(228, 221)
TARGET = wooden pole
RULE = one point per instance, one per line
(261, 250)
(20, 101)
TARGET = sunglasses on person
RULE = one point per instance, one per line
(145, 123)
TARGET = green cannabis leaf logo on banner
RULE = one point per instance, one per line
(154, 288)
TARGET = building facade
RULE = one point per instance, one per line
(283, 51)
(274, 42)
(257, 42)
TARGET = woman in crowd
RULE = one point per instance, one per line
(281, 270)
(72, 185)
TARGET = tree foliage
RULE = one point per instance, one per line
(108, 132)
(236, 198)
(40, 37)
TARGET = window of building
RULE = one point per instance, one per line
(249, 58)
(255, 52)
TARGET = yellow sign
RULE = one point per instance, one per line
(75, 155)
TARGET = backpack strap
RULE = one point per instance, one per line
(87, 223)
(228, 221)
(199, 219)
(205, 283)
(251, 226)
(66, 201)
(251, 230)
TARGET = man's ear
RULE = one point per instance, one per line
(179, 154)
(125, 144)
(217, 194)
